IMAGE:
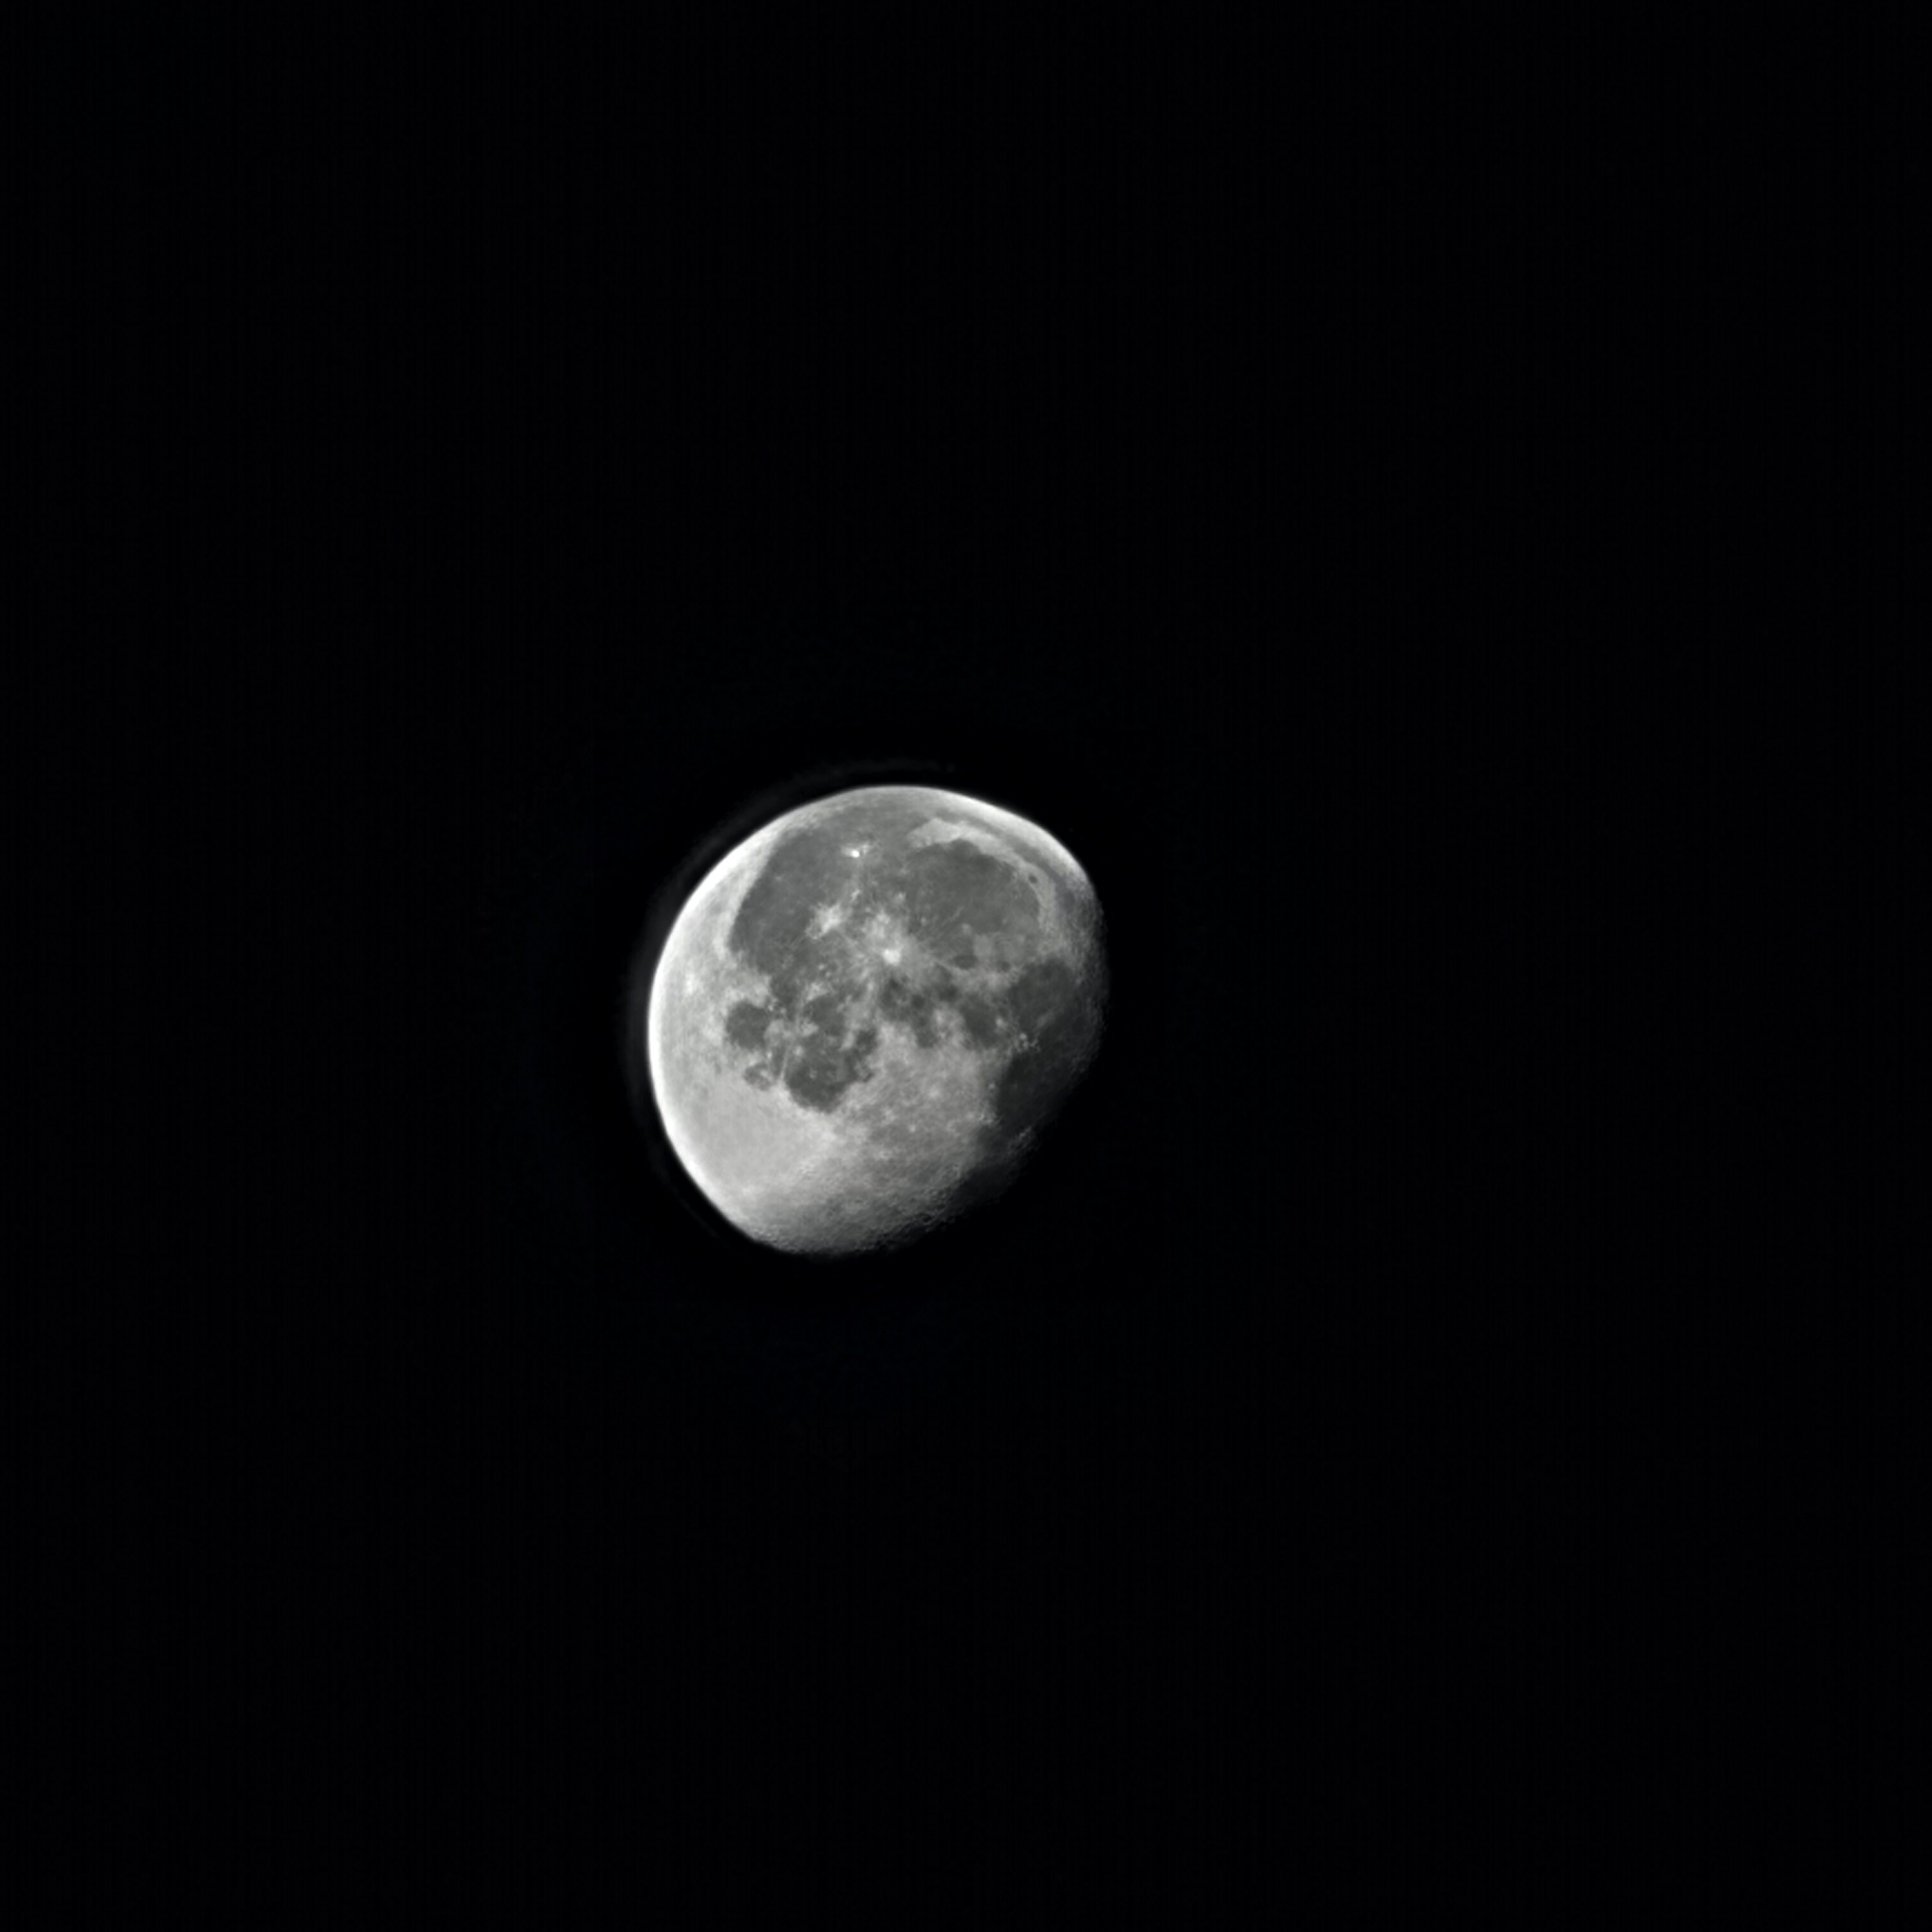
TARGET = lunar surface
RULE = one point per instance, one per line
(865, 1012)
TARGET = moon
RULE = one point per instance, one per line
(865, 1014)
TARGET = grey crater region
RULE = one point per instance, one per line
(865, 1012)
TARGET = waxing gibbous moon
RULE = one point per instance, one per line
(863, 1015)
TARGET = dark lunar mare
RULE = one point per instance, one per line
(746, 1024)
(1059, 1027)
(814, 1033)
(819, 1052)
(773, 931)
(954, 891)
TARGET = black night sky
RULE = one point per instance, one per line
(515, 469)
